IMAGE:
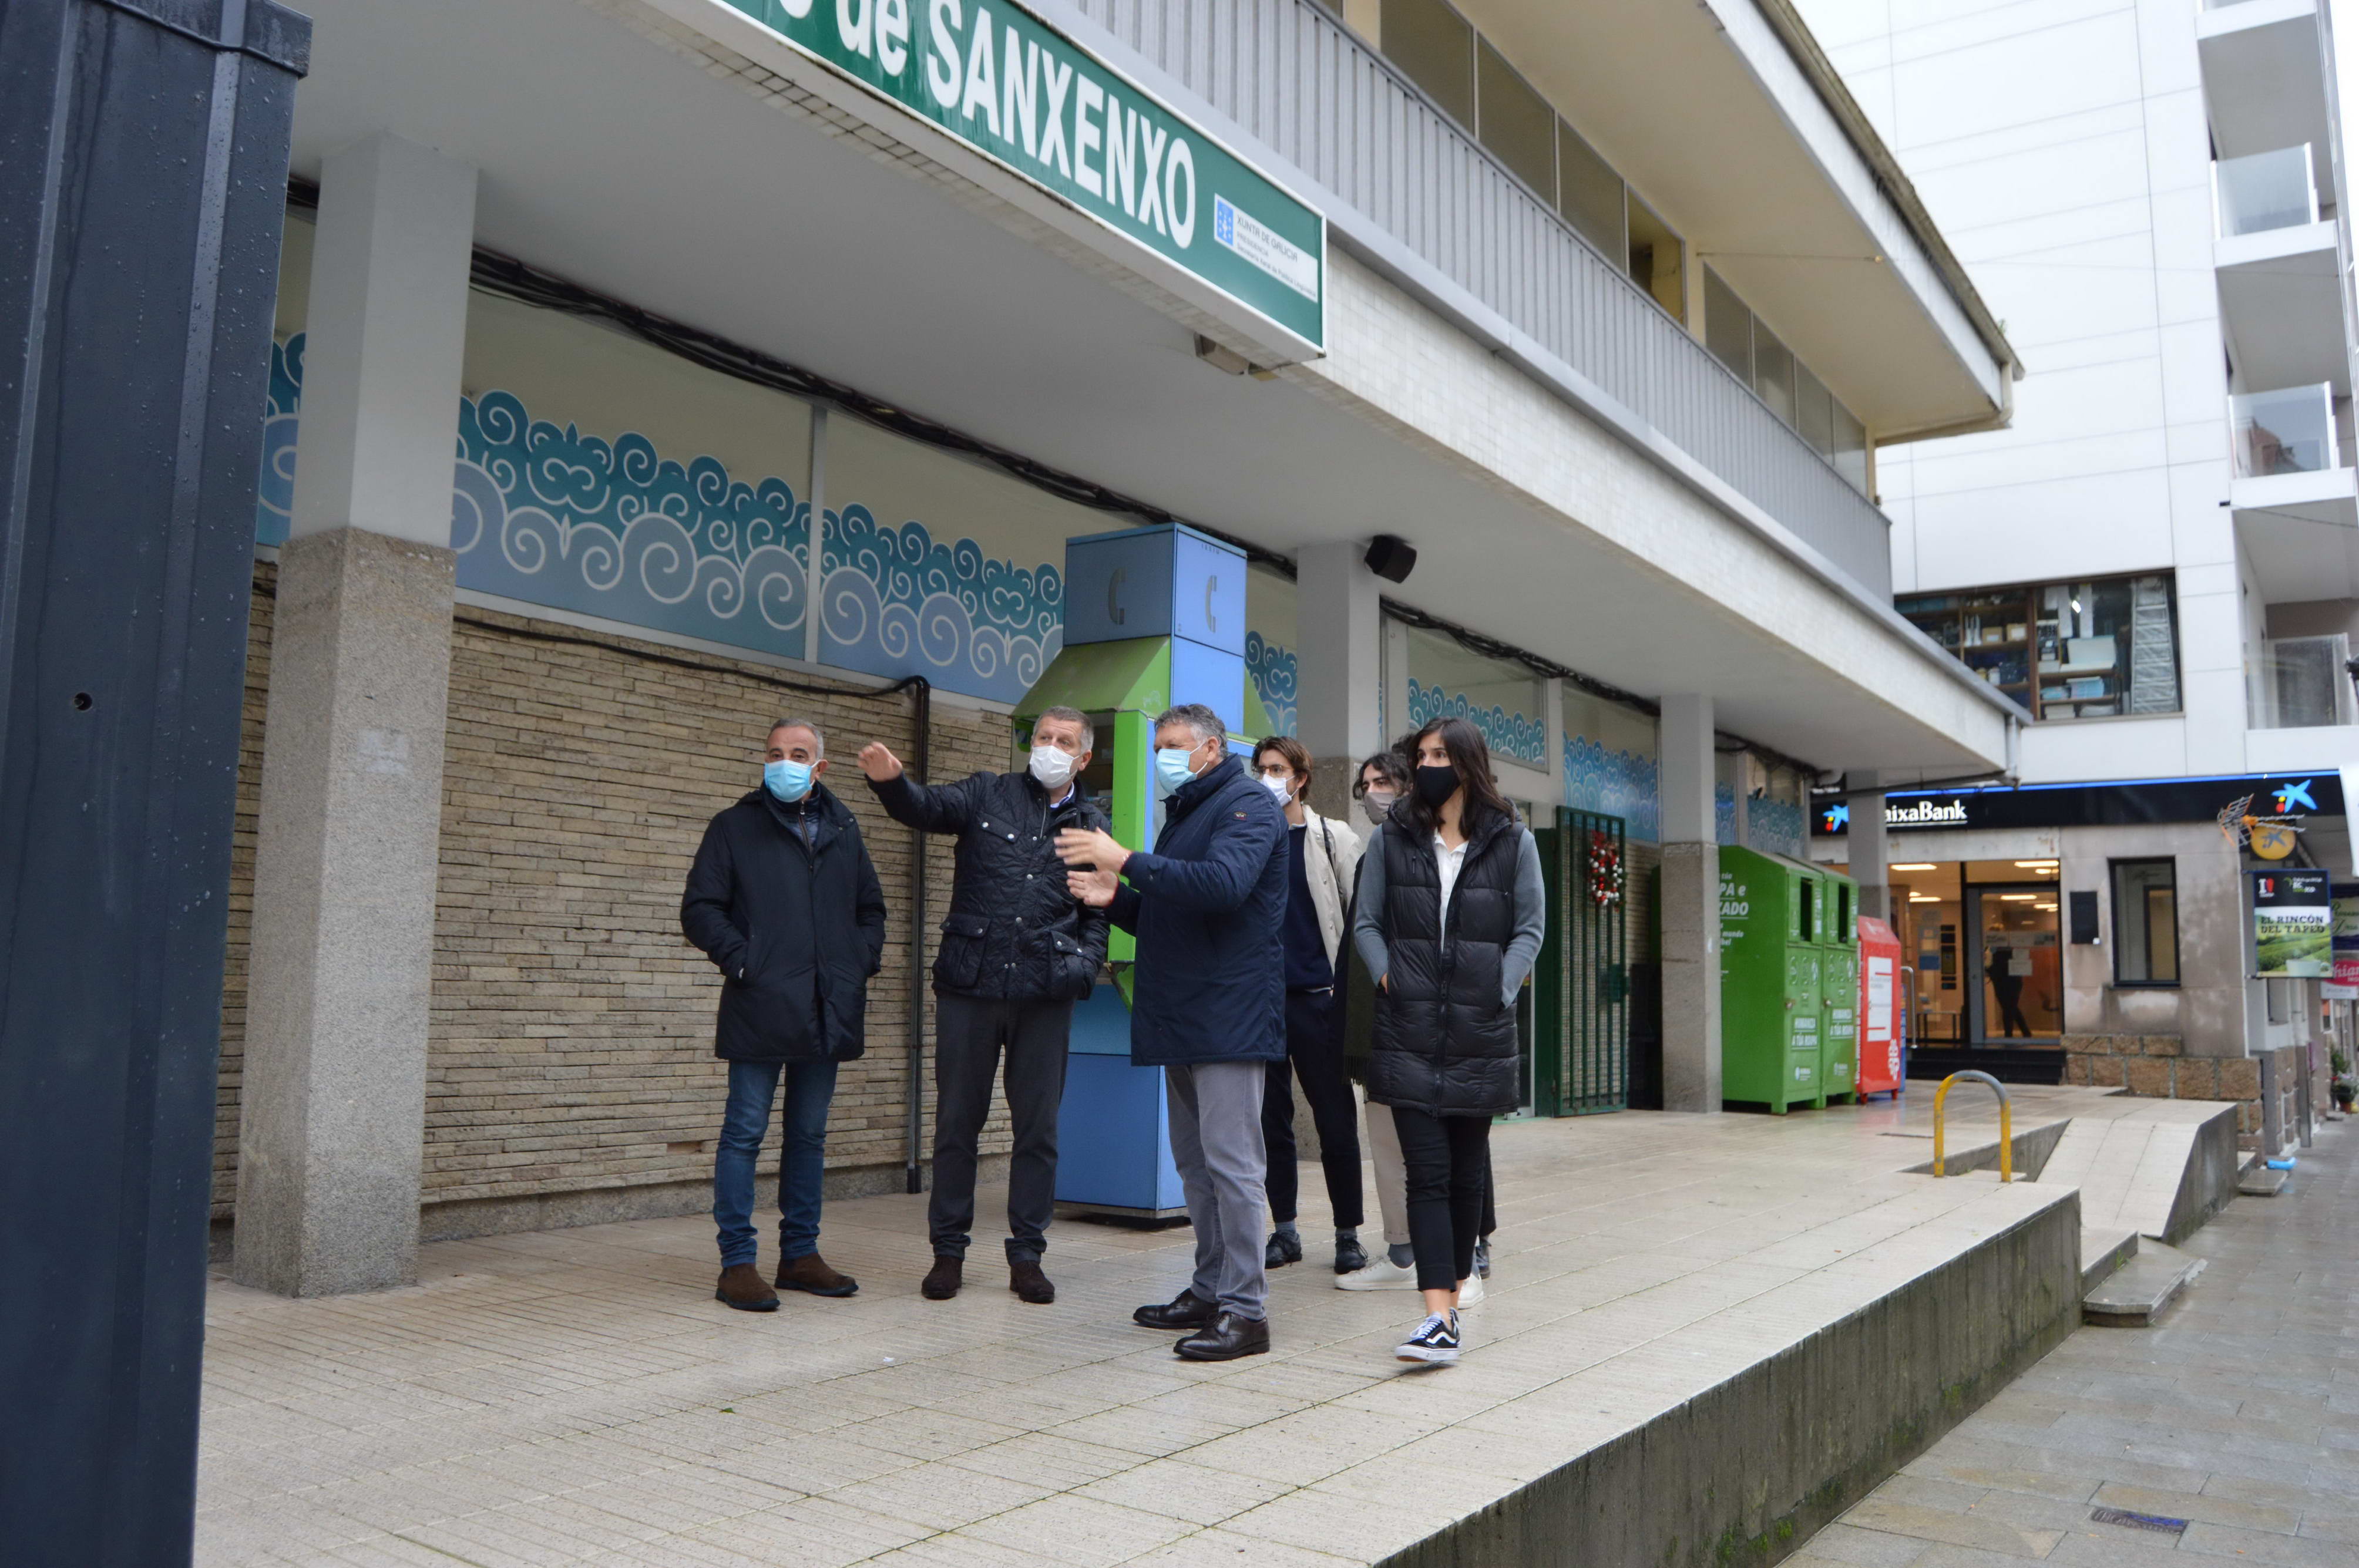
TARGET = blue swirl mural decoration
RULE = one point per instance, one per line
(543, 514)
(1723, 813)
(274, 507)
(1510, 734)
(1615, 783)
(898, 603)
(1272, 671)
(1777, 826)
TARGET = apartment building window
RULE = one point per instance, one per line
(1658, 260)
(1754, 354)
(1590, 194)
(2145, 922)
(1517, 124)
(1435, 46)
(2099, 648)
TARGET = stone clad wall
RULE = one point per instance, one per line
(2156, 1067)
(570, 1074)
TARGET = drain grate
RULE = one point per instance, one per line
(2138, 1521)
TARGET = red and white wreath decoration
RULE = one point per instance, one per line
(1605, 871)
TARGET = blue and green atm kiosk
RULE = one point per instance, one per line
(1154, 617)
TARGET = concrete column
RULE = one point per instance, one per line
(1688, 769)
(333, 1105)
(1339, 627)
(1869, 850)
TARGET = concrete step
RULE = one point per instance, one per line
(2260, 1181)
(2133, 1295)
(2102, 1253)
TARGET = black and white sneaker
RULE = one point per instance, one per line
(1436, 1340)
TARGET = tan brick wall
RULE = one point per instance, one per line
(2156, 1067)
(241, 888)
(570, 1044)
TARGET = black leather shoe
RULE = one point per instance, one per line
(1025, 1278)
(1185, 1310)
(1349, 1257)
(1226, 1338)
(1282, 1249)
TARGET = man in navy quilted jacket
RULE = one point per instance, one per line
(1208, 1006)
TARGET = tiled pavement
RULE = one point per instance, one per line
(577, 1397)
(2237, 1413)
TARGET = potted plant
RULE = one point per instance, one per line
(2346, 1082)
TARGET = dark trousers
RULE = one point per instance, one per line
(1314, 1053)
(1446, 1162)
(969, 1035)
(2007, 991)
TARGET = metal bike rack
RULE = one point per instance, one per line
(2005, 1122)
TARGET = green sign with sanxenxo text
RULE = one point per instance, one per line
(1014, 88)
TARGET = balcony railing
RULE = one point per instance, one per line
(2304, 683)
(2266, 191)
(2287, 431)
(1290, 73)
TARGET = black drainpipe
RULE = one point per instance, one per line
(922, 706)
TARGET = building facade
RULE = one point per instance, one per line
(647, 369)
(2159, 559)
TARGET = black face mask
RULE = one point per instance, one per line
(1435, 786)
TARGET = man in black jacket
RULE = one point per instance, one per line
(1018, 951)
(782, 898)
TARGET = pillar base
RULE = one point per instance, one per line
(1691, 921)
(331, 1136)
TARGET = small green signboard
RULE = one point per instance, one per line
(1014, 88)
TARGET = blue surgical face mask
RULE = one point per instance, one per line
(787, 781)
(1172, 769)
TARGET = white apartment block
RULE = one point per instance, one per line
(2159, 558)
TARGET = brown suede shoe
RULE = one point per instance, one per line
(1025, 1278)
(942, 1280)
(809, 1272)
(741, 1287)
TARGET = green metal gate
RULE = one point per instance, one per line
(1580, 1035)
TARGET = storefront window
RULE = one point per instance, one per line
(1982, 937)
(1435, 47)
(2145, 922)
(1502, 699)
(2093, 649)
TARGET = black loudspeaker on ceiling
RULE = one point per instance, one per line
(1391, 557)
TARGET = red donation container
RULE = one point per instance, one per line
(1881, 1004)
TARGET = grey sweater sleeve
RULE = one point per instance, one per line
(1532, 920)
(1368, 932)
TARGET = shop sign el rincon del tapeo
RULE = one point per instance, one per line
(1008, 85)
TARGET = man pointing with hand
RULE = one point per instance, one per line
(1018, 950)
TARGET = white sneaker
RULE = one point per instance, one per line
(1436, 1340)
(1469, 1292)
(1381, 1275)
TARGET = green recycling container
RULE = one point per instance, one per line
(1772, 1013)
(1839, 988)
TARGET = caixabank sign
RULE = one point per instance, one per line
(2127, 803)
(1006, 84)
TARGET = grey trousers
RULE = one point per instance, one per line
(1216, 1143)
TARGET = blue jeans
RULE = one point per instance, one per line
(752, 1086)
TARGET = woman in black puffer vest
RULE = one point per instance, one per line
(1450, 917)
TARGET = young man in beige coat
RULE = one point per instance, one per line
(1324, 854)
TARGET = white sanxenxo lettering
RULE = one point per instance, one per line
(1150, 202)
(943, 20)
(1179, 212)
(982, 79)
(893, 36)
(853, 21)
(1019, 81)
(1060, 78)
(1088, 96)
(1121, 155)
(798, 9)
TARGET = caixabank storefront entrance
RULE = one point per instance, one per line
(2034, 916)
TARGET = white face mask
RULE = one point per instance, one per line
(1280, 785)
(1377, 804)
(1053, 766)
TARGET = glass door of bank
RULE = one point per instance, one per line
(2014, 970)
